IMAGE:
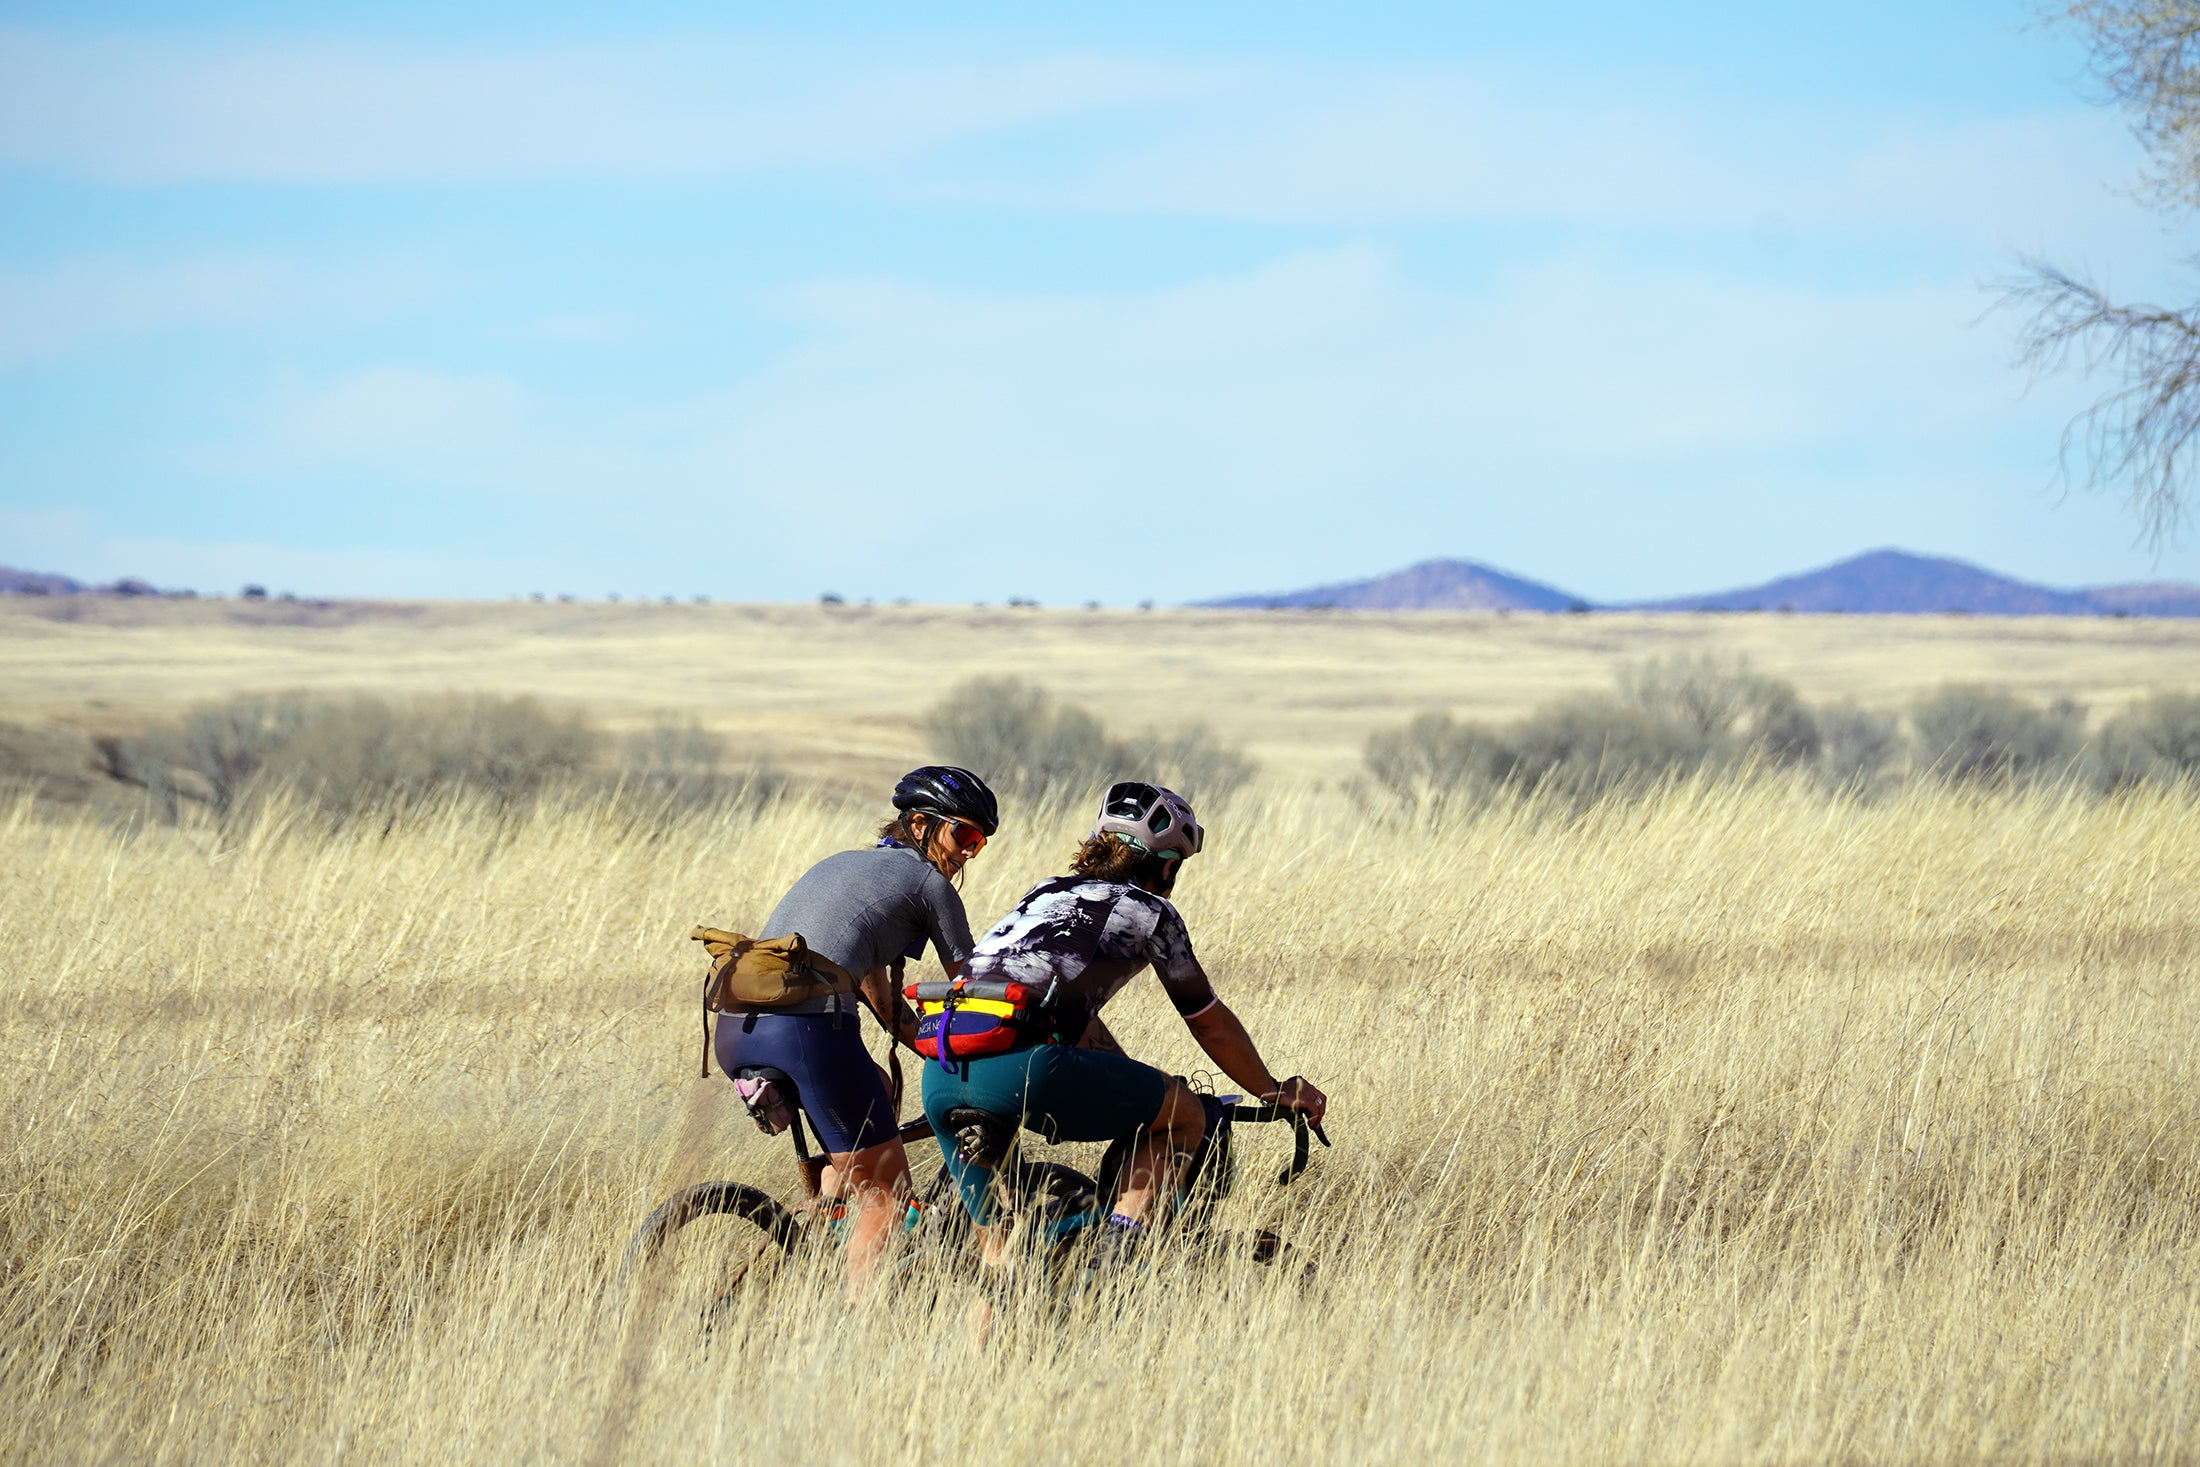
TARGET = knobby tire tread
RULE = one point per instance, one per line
(708, 1199)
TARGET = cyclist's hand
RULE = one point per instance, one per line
(1298, 1093)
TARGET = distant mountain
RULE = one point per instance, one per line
(1879, 582)
(45, 583)
(1433, 585)
(36, 583)
(1891, 581)
(2157, 598)
(1895, 582)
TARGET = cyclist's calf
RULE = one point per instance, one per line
(1170, 1139)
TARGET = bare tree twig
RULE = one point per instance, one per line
(2146, 56)
(2139, 432)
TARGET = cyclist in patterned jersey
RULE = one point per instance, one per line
(1089, 934)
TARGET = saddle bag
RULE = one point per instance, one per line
(967, 1018)
(762, 973)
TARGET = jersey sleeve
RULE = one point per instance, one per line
(945, 922)
(1170, 952)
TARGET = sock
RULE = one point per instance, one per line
(1117, 1220)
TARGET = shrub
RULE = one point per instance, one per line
(366, 752)
(209, 755)
(347, 755)
(1435, 764)
(1671, 715)
(1971, 733)
(1730, 709)
(1587, 747)
(680, 763)
(1857, 748)
(49, 761)
(1019, 738)
(672, 757)
(2155, 740)
(1192, 761)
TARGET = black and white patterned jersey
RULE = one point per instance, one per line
(1094, 936)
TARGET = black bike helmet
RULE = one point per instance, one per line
(943, 789)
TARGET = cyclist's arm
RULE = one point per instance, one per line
(1231, 1048)
(877, 988)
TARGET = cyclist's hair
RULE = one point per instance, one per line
(898, 831)
(1112, 858)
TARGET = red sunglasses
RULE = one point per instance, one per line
(967, 837)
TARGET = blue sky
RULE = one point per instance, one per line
(379, 299)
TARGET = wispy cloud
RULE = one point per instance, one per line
(1457, 307)
(378, 416)
(57, 309)
(1293, 144)
(138, 108)
(993, 429)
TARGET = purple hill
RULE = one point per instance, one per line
(1433, 585)
(2157, 598)
(36, 583)
(1878, 582)
(1885, 581)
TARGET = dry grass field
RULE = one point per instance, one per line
(835, 692)
(1733, 1125)
(1738, 1123)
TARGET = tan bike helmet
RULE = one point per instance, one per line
(1154, 819)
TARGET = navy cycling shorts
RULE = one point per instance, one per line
(833, 1075)
(1063, 1094)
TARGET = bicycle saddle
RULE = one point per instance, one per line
(768, 1095)
(982, 1137)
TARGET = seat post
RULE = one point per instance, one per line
(810, 1168)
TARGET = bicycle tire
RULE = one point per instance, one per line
(713, 1199)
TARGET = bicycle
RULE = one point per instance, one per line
(1059, 1205)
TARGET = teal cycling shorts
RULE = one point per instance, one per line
(1063, 1094)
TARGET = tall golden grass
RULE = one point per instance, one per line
(1733, 1124)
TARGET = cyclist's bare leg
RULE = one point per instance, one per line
(878, 1190)
(1173, 1135)
(833, 1177)
(992, 1254)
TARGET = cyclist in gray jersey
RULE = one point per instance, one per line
(1086, 935)
(864, 910)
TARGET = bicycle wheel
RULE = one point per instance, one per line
(752, 1205)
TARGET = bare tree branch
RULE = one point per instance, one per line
(2146, 55)
(2138, 433)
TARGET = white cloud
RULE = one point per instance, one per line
(1326, 408)
(145, 109)
(397, 414)
(1359, 146)
(58, 309)
(1396, 146)
(1334, 407)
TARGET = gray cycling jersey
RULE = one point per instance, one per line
(863, 909)
(1094, 937)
